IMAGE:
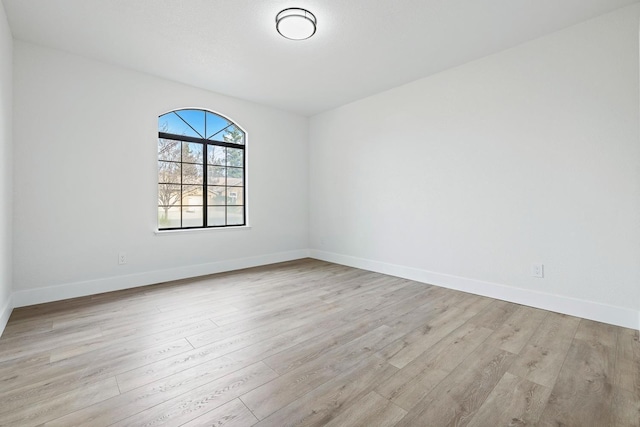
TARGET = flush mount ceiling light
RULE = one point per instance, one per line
(296, 24)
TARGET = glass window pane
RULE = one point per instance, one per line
(195, 118)
(168, 217)
(233, 134)
(216, 195)
(215, 215)
(215, 124)
(235, 215)
(192, 174)
(235, 157)
(171, 123)
(192, 216)
(168, 149)
(192, 200)
(192, 152)
(216, 155)
(216, 175)
(234, 176)
(234, 196)
(181, 166)
(169, 172)
(192, 195)
(168, 194)
(219, 135)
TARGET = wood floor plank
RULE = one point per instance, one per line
(495, 314)
(24, 329)
(89, 367)
(419, 316)
(262, 290)
(372, 410)
(134, 341)
(310, 343)
(14, 368)
(585, 381)
(513, 402)
(267, 399)
(128, 404)
(267, 322)
(401, 315)
(41, 384)
(96, 317)
(317, 346)
(82, 310)
(243, 356)
(58, 405)
(627, 375)
(329, 400)
(17, 347)
(376, 301)
(413, 382)
(203, 399)
(363, 288)
(438, 326)
(284, 343)
(159, 322)
(231, 414)
(517, 330)
(275, 309)
(430, 296)
(625, 408)
(542, 357)
(597, 333)
(456, 400)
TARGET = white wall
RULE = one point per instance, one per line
(85, 180)
(466, 178)
(6, 211)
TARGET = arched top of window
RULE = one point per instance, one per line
(200, 124)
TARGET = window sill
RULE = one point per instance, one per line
(201, 230)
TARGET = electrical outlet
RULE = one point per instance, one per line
(122, 258)
(537, 270)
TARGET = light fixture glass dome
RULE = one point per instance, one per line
(296, 24)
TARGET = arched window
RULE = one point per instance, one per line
(201, 171)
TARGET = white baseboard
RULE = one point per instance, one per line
(5, 313)
(619, 316)
(108, 284)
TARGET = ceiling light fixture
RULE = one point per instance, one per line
(296, 24)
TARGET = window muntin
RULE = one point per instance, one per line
(201, 171)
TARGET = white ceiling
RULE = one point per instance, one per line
(231, 47)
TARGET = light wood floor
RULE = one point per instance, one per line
(312, 343)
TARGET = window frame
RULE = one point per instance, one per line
(206, 143)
